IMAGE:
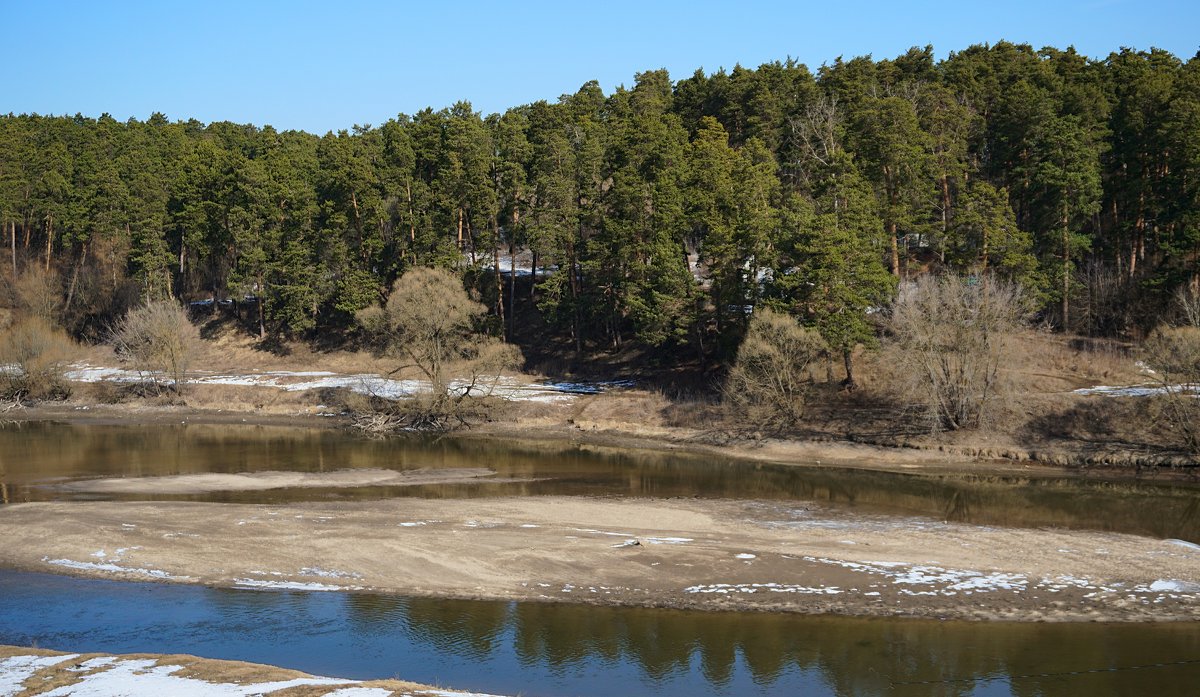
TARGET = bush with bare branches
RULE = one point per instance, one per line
(1187, 299)
(770, 380)
(159, 341)
(1174, 355)
(953, 335)
(431, 324)
(34, 355)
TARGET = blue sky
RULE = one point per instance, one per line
(322, 66)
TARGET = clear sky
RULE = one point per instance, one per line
(330, 65)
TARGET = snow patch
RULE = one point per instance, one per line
(254, 584)
(143, 677)
(507, 388)
(750, 588)
(1138, 390)
(113, 568)
(15, 670)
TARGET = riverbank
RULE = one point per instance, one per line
(678, 553)
(33, 671)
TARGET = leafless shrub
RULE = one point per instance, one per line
(1187, 298)
(770, 380)
(39, 293)
(953, 337)
(34, 356)
(1174, 354)
(431, 324)
(159, 341)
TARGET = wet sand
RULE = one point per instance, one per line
(703, 554)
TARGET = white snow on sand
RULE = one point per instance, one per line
(15, 670)
(143, 677)
(728, 588)
(114, 568)
(109, 676)
(364, 383)
(1136, 390)
(255, 584)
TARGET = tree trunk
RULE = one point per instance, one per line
(895, 248)
(575, 328)
(74, 279)
(946, 217)
(12, 235)
(1066, 277)
(848, 361)
(460, 227)
(262, 325)
(533, 274)
(512, 278)
(496, 270)
(49, 239)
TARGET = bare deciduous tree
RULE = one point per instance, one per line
(159, 341)
(1174, 354)
(1188, 300)
(34, 356)
(954, 335)
(769, 381)
(431, 324)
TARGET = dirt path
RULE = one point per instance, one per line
(680, 553)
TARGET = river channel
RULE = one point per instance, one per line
(558, 649)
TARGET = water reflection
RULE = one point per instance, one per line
(546, 649)
(36, 455)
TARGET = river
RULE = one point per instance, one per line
(558, 649)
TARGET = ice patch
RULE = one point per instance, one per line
(745, 555)
(667, 540)
(360, 692)
(1170, 586)
(1184, 543)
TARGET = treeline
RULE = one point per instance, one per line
(658, 214)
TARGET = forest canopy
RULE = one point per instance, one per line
(659, 214)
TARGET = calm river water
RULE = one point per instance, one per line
(545, 649)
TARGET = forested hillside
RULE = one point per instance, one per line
(657, 214)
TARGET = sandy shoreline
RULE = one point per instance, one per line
(683, 553)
